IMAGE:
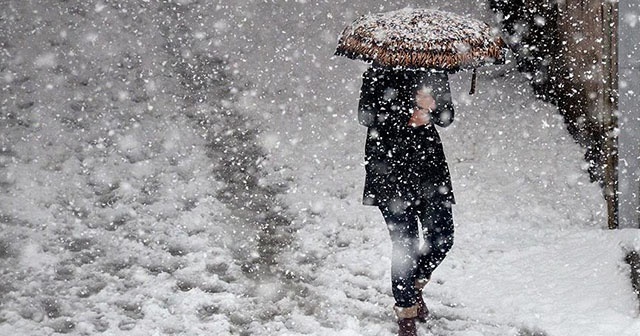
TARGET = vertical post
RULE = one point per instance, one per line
(609, 15)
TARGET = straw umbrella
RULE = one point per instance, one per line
(420, 39)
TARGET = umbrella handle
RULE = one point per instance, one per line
(473, 82)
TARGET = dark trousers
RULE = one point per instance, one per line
(410, 261)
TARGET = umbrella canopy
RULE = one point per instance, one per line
(421, 38)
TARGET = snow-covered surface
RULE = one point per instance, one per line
(419, 38)
(421, 27)
(121, 213)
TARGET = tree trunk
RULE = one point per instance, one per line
(609, 15)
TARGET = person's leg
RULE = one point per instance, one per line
(403, 230)
(437, 225)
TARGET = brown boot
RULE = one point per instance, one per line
(423, 311)
(406, 320)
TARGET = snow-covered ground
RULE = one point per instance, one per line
(138, 200)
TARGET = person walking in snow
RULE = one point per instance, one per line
(407, 177)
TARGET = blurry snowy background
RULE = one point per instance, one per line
(629, 85)
(195, 168)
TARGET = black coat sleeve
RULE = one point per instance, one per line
(443, 113)
(438, 83)
(369, 96)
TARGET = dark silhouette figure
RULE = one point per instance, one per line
(407, 176)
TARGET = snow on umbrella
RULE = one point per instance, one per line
(421, 38)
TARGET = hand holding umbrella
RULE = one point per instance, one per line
(424, 105)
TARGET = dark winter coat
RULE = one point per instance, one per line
(403, 163)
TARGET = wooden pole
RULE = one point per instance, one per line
(609, 15)
(473, 82)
